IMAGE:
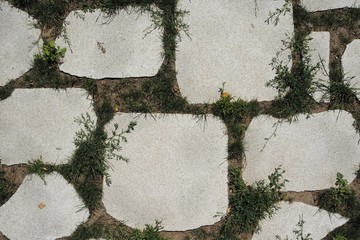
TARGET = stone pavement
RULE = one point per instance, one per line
(194, 77)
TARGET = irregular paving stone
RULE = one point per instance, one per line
(42, 211)
(233, 44)
(105, 47)
(320, 51)
(177, 172)
(319, 5)
(317, 223)
(311, 151)
(350, 61)
(18, 39)
(40, 122)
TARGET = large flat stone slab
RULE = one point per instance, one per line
(350, 62)
(233, 44)
(119, 47)
(177, 172)
(319, 5)
(18, 39)
(42, 211)
(317, 223)
(320, 52)
(311, 151)
(40, 122)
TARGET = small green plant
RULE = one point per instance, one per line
(38, 167)
(295, 85)
(149, 233)
(90, 159)
(274, 17)
(251, 204)
(230, 109)
(340, 198)
(5, 187)
(299, 232)
(339, 237)
(51, 54)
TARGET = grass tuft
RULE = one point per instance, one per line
(251, 204)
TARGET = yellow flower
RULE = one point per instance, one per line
(116, 108)
(225, 95)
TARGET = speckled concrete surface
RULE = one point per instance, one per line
(234, 46)
(311, 150)
(111, 47)
(317, 223)
(40, 122)
(42, 211)
(18, 39)
(183, 183)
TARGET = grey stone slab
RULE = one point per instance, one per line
(40, 122)
(350, 62)
(105, 47)
(18, 39)
(230, 42)
(311, 151)
(42, 211)
(317, 223)
(320, 5)
(177, 172)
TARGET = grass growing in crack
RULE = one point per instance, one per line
(45, 72)
(150, 232)
(251, 204)
(38, 167)
(6, 91)
(295, 86)
(340, 199)
(340, 93)
(99, 230)
(89, 160)
(46, 12)
(274, 17)
(5, 187)
(230, 109)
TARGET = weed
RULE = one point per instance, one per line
(299, 232)
(51, 53)
(100, 230)
(274, 17)
(5, 187)
(340, 93)
(89, 160)
(38, 167)
(295, 86)
(340, 199)
(45, 72)
(90, 86)
(149, 233)
(49, 12)
(6, 91)
(234, 110)
(245, 215)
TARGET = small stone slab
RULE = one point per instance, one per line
(320, 51)
(350, 62)
(18, 39)
(311, 151)
(320, 5)
(233, 44)
(111, 47)
(40, 122)
(177, 172)
(317, 223)
(42, 211)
